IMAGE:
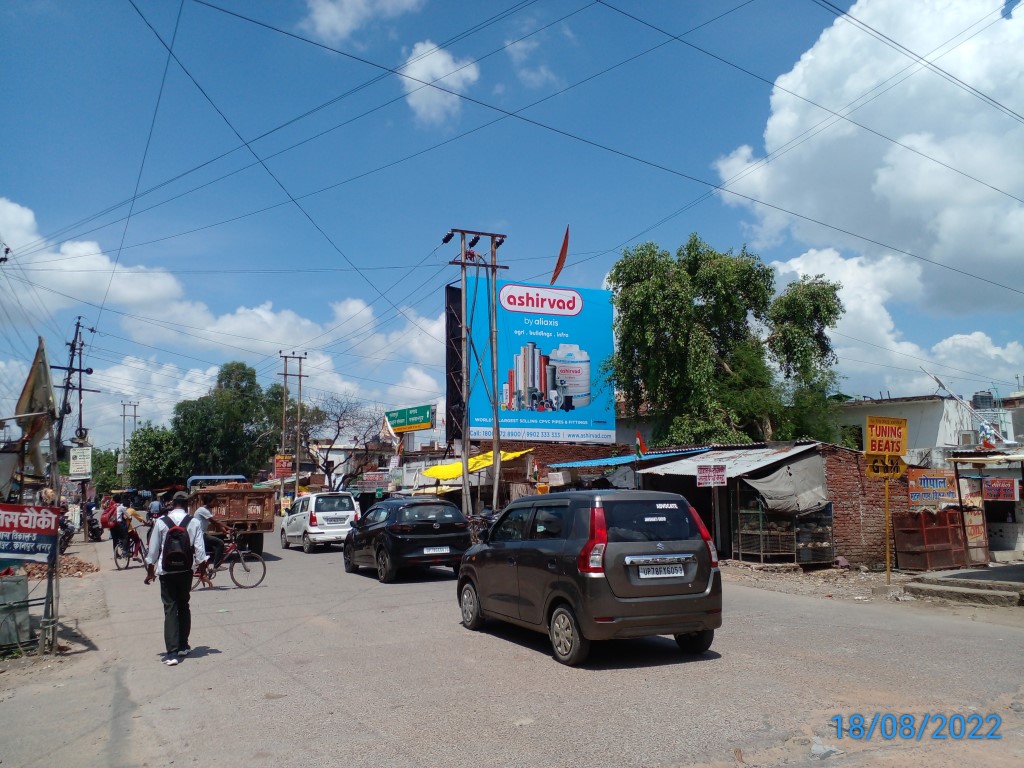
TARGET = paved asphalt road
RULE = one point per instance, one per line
(320, 668)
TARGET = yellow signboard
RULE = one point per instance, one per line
(885, 466)
(886, 436)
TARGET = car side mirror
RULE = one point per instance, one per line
(484, 535)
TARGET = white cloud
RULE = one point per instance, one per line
(425, 65)
(853, 179)
(521, 53)
(335, 20)
(873, 353)
(74, 272)
(416, 387)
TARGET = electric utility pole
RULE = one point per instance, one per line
(470, 258)
(298, 413)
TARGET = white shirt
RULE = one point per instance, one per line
(204, 516)
(119, 513)
(160, 529)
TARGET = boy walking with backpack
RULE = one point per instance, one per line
(176, 548)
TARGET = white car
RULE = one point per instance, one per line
(319, 519)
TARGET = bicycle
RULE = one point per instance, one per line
(127, 548)
(247, 569)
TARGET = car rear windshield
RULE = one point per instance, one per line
(441, 513)
(334, 504)
(649, 520)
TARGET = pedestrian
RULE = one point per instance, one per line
(214, 546)
(155, 508)
(176, 550)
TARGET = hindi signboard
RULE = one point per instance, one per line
(1000, 489)
(80, 464)
(886, 436)
(28, 532)
(370, 482)
(282, 465)
(710, 475)
(411, 419)
(931, 487)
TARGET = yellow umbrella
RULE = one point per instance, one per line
(453, 470)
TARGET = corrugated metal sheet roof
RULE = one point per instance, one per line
(615, 461)
(737, 462)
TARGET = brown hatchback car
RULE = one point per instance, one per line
(596, 565)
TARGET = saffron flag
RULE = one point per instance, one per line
(641, 446)
(561, 257)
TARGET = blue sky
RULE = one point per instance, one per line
(553, 113)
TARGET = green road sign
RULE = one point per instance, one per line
(411, 419)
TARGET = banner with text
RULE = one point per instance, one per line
(931, 487)
(552, 343)
(28, 532)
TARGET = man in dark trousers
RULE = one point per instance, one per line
(176, 583)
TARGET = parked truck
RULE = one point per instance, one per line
(236, 503)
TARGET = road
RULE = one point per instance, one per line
(320, 668)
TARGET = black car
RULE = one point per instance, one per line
(596, 565)
(407, 531)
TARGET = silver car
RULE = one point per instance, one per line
(320, 519)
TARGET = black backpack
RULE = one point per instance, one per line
(178, 553)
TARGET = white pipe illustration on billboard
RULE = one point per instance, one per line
(556, 381)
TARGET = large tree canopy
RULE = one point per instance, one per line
(706, 349)
(231, 430)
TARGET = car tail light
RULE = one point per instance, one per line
(712, 550)
(312, 520)
(591, 558)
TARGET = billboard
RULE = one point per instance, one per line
(552, 343)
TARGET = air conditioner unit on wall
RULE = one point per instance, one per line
(968, 438)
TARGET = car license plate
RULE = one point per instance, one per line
(335, 520)
(436, 550)
(660, 571)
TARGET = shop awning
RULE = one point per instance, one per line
(737, 462)
(434, 491)
(1005, 458)
(453, 470)
(629, 458)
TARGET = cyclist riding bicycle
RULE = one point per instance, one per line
(133, 517)
(214, 546)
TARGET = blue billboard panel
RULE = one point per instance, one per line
(552, 343)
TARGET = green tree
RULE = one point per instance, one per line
(227, 431)
(704, 349)
(104, 471)
(153, 458)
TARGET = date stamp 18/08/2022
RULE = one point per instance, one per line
(930, 726)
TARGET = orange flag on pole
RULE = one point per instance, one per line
(561, 257)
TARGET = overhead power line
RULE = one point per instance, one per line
(612, 150)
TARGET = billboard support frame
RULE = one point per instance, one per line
(469, 257)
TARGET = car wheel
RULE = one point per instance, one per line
(385, 567)
(570, 646)
(284, 540)
(469, 603)
(307, 545)
(347, 559)
(696, 642)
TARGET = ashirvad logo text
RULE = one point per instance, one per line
(538, 300)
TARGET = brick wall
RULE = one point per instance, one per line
(858, 506)
(557, 453)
